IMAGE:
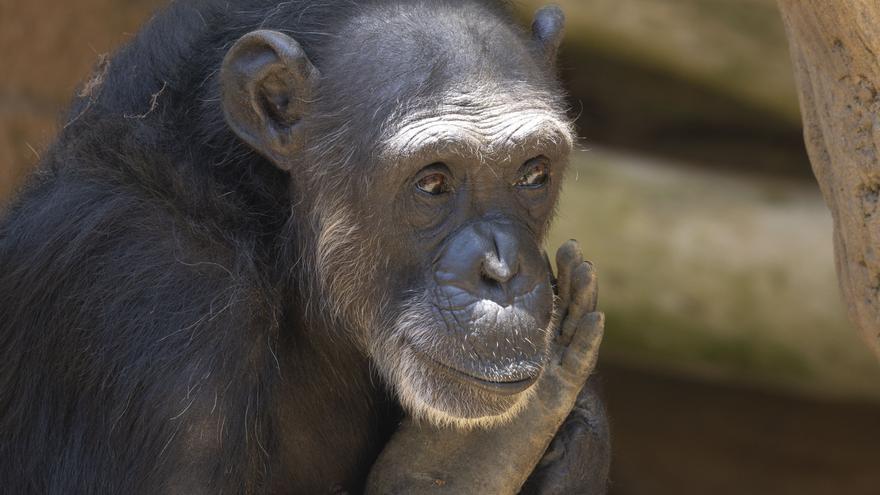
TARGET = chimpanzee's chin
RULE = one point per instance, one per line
(473, 365)
(449, 395)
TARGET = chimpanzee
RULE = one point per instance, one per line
(266, 226)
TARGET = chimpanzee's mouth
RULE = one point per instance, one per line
(502, 386)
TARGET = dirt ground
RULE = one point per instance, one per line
(677, 436)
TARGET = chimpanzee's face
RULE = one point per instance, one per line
(428, 152)
(466, 189)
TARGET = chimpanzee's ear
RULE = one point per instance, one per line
(547, 30)
(267, 82)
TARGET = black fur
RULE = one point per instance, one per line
(140, 276)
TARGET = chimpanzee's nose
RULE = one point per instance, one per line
(490, 259)
(499, 263)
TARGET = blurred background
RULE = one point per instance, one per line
(728, 364)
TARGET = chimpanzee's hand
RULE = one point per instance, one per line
(578, 460)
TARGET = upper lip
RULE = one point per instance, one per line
(511, 387)
(519, 299)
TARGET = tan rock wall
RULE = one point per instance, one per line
(835, 48)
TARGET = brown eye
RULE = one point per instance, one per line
(433, 184)
(536, 173)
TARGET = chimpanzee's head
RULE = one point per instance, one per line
(426, 142)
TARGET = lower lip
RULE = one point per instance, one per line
(497, 388)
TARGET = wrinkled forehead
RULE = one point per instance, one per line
(423, 75)
(490, 122)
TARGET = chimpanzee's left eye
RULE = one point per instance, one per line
(536, 173)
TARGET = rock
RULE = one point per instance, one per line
(835, 48)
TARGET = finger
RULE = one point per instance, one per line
(568, 257)
(569, 327)
(581, 282)
(582, 353)
(585, 284)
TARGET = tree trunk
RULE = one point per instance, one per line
(834, 47)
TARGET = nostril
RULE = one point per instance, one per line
(489, 281)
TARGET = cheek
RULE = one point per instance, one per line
(402, 259)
